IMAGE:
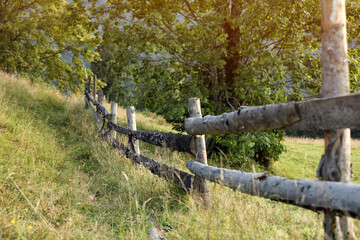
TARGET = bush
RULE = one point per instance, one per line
(262, 147)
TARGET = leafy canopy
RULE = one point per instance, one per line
(158, 53)
(47, 39)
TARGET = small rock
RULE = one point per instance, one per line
(155, 234)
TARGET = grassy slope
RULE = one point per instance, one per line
(58, 181)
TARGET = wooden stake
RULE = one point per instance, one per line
(201, 186)
(113, 118)
(87, 87)
(94, 87)
(131, 119)
(336, 164)
(100, 96)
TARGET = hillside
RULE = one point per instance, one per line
(58, 180)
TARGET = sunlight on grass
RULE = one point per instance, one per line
(303, 156)
(59, 180)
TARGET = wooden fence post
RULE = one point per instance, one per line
(94, 87)
(100, 96)
(87, 87)
(200, 186)
(113, 118)
(134, 144)
(335, 164)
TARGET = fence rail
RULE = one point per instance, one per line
(174, 141)
(316, 114)
(341, 198)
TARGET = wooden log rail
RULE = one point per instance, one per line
(317, 114)
(181, 179)
(174, 141)
(341, 198)
(99, 107)
(96, 119)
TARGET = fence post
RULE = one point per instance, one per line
(134, 144)
(94, 87)
(87, 87)
(113, 118)
(335, 164)
(100, 96)
(200, 186)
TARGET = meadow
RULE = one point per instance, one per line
(59, 180)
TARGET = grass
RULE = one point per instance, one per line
(58, 180)
(303, 156)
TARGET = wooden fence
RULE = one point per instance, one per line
(334, 112)
(340, 198)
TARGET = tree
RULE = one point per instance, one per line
(233, 52)
(47, 39)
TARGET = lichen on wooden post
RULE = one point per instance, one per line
(113, 118)
(200, 186)
(131, 119)
(335, 164)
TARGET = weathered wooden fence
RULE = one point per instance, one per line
(334, 113)
(170, 140)
(342, 198)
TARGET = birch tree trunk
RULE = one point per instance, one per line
(335, 164)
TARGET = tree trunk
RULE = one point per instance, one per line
(232, 60)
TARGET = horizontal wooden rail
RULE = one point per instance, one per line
(180, 178)
(174, 141)
(96, 119)
(316, 114)
(342, 198)
(99, 108)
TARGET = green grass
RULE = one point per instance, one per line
(58, 177)
(303, 156)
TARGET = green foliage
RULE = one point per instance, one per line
(158, 53)
(264, 147)
(47, 39)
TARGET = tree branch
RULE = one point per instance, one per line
(191, 10)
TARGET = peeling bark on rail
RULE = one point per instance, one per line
(182, 179)
(341, 198)
(317, 114)
(174, 141)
